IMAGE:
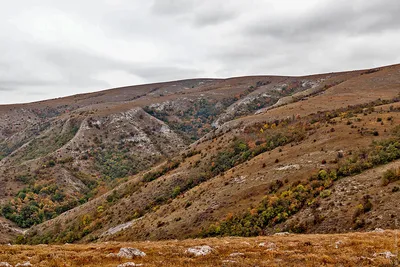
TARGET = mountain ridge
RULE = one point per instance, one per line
(109, 162)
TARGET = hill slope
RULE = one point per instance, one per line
(350, 249)
(247, 156)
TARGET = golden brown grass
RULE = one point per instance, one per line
(353, 249)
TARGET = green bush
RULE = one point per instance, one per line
(276, 209)
(326, 193)
(150, 176)
(115, 164)
(390, 176)
(176, 192)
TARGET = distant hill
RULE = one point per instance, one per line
(204, 157)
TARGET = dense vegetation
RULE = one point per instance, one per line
(278, 207)
(269, 140)
(279, 204)
(194, 122)
(42, 146)
(113, 164)
(37, 203)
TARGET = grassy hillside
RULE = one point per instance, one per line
(355, 249)
(243, 156)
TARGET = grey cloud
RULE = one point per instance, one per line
(172, 7)
(163, 73)
(213, 17)
(77, 66)
(15, 84)
(5, 88)
(199, 13)
(59, 48)
(329, 18)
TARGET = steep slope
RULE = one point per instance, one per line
(259, 173)
(61, 153)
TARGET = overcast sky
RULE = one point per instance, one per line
(52, 48)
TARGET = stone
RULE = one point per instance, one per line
(282, 234)
(268, 245)
(338, 243)
(236, 254)
(228, 261)
(386, 254)
(199, 250)
(129, 264)
(130, 253)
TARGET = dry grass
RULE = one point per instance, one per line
(353, 249)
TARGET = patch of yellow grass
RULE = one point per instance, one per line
(353, 249)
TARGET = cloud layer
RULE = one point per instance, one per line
(57, 48)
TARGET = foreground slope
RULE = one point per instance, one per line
(285, 168)
(355, 249)
(59, 154)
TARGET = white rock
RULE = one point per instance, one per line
(118, 228)
(129, 264)
(199, 250)
(236, 254)
(25, 264)
(386, 254)
(378, 230)
(129, 253)
(282, 233)
(366, 258)
(338, 243)
(5, 264)
(268, 245)
(289, 167)
(228, 261)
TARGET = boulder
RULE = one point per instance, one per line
(236, 254)
(228, 261)
(129, 264)
(199, 250)
(338, 244)
(130, 253)
(386, 254)
(282, 234)
(268, 245)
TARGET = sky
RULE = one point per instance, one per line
(54, 48)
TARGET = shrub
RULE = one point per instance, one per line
(176, 192)
(359, 223)
(358, 211)
(326, 193)
(150, 176)
(390, 176)
(115, 164)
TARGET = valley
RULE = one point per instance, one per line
(206, 158)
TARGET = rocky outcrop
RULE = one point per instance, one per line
(199, 250)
